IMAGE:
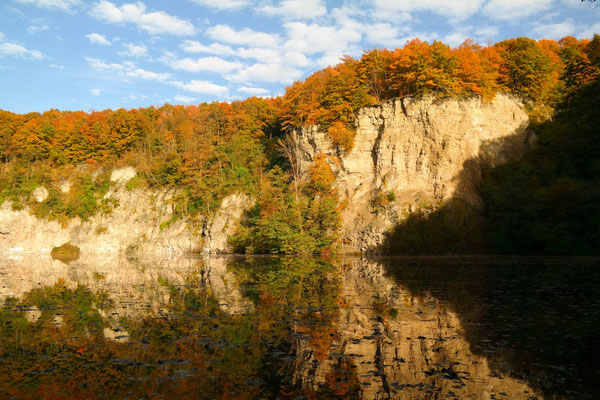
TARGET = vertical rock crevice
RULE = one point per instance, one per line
(423, 150)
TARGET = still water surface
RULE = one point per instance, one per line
(262, 327)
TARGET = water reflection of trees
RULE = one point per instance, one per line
(194, 348)
(287, 327)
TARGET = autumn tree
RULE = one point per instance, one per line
(420, 68)
(525, 69)
(374, 70)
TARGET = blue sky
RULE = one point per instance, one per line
(83, 55)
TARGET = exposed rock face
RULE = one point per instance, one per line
(140, 222)
(417, 352)
(40, 194)
(123, 175)
(224, 223)
(407, 151)
(421, 150)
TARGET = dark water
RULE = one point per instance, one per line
(428, 328)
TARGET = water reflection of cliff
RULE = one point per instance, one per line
(137, 287)
(288, 327)
(535, 319)
(401, 346)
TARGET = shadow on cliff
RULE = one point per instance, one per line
(458, 225)
(534, 319)
(543, 200)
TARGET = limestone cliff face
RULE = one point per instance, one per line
(407, 152)
(419, 149)
(138, 223)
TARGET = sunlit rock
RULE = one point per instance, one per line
(412, 151)
(141, 221)
(40, 194)
(122, 175)
(224, 222)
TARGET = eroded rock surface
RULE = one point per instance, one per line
(141, 221)
(421, 150)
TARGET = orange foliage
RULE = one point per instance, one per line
(539, 70)
(341, 135)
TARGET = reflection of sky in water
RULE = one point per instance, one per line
(277, 327)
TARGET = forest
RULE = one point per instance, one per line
(544, 203)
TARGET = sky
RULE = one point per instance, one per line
(93, 55)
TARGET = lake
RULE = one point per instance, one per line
(300, 328)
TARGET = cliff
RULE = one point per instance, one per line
(407, 153)
(141, 221)
(414, 151)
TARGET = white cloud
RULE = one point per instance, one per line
(588, 33)
(98, 39)
(152, 22)
(95, 92)
(456, 9)
(332, 41)
(260, 72)
(202, 64)
(314, 38)
(295, 58)
(261, 54)
(487, 33)
(246, 36)
(554, 31)
(383, 34)
(253, 91)
(202, 87)
(2, 36)
(330, 58)
(128, 69)
(514, 9)
(184, 99)
(223, 4)
(37, 28)
(455, 39)
(296, 9)
(192, 46)
(134, 50)
(62, 5)
(56, 66)
(16, 50)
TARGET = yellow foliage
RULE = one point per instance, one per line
(320, 175)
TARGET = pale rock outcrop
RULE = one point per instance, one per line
(141, 221)
(224, 222)
(421, 150)
(40, 194)
(122, 175)
(65, 186)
